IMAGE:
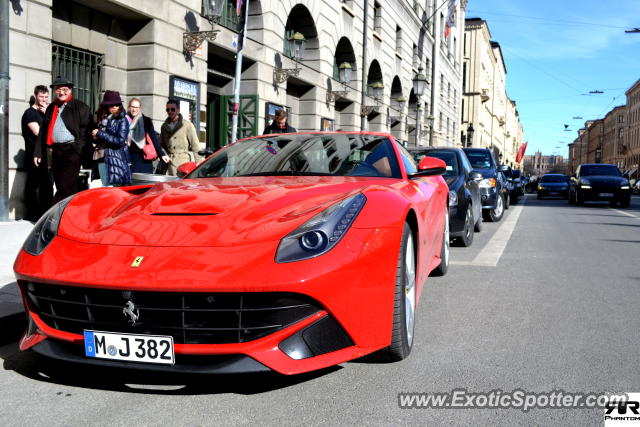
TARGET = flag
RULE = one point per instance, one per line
(451, 17)
(239, 7)
(521, 151)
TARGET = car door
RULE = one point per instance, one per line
(472, 186)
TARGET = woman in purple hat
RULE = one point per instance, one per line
(113, 133)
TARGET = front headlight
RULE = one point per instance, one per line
(45, 229)
(585, 187)
(322, 232)
(453, 198)
(540, 187)
(487, 183)
(624, 187)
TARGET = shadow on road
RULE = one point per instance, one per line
(621, 241)
(39, 368)
(610, 223)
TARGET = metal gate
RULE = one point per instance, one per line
(247, 117)
(83, 68)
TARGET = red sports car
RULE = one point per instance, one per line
(288, 252)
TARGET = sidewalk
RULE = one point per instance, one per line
(13, 235)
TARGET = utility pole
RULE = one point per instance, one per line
(365, 35)
(4, 110)
(236, 92)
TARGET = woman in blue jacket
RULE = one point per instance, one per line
(113, 133)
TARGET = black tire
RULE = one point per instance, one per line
(477, 227)
(467, 234)
(572, 200)
(514, 199)
(403, 322)
(625, 203)
(506, 199)
(494, 215)
(443, 267)
(539, 197)
(579, 201)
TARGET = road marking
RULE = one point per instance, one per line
(491, 253)
(625, 213)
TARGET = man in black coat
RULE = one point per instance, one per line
(279, 124)
(65, 131)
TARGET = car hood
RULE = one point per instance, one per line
(605, 180)
(487, 173)
(554, 184)
(203, 212)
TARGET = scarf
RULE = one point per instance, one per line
(54, 116)
(137, 132)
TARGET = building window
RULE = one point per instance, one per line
(398, 40)
(449, 92)
(442, 84)
(377, 17)
(416, 59)
(620, 133)
(620, 118)
(83, 68)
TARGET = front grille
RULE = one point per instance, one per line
(190, 317)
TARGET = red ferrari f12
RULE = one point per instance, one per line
(289, 253)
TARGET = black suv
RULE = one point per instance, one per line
(601, 182)
(493, 191)
(465, 208)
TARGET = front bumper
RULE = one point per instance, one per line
(489, 197)
(554, 192)
(604, 194)
(351, 272)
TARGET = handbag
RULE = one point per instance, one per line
(148, 149)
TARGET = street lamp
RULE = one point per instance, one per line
(375, 91)
(470, 131)
(419, 87)
(344, 75)
(296, 46)
(191, 40)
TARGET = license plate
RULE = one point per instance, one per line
(553, 193)
(129, 347)
(605, 194)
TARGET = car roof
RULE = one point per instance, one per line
(598, 164)
(426, 149)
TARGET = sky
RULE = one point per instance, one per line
(558, 51)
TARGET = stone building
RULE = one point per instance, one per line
(595, 132)
(613, 139)
(487, 108)
(538, 164)
(631, 147)
(155, 49)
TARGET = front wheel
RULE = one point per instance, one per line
(443, 267)
(467, 234)
(404, 301)
(625, 203)
(495, 214)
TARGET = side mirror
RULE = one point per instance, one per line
(476, 176)
(206, 152)
(185, 169)
(431, 166)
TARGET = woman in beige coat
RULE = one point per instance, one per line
(178, 138)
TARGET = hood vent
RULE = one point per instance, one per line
(185, 213)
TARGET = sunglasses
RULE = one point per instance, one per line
(171, 109)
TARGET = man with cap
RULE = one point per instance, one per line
(65, 130)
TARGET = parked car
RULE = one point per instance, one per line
(288, 252)
(465, 207)
(553, 185)
(519, 181)
(493, 191)
(599, 182)
(512, 184)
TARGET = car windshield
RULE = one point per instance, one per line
(554, 179)
(479, 159)
(590, 170)
(449, 157)
(339, 154)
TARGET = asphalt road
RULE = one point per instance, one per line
(545, 299)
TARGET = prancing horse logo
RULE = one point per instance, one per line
(131, 311)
